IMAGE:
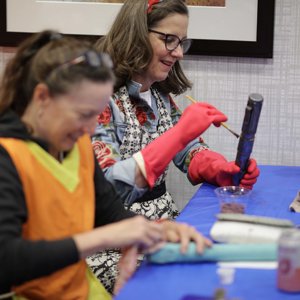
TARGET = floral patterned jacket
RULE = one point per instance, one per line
(109, 134)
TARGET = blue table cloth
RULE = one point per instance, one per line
(276, 188)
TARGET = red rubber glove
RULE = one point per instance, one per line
(194, 121)
(213, 168)
(251, 175)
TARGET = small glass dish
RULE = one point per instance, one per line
(233, 199)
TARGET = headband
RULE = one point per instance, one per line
(151, 3)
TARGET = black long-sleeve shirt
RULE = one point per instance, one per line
(23, 260)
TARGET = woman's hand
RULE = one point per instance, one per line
(137, 231)
(126, 266)
(213, 167)
(171, 232)
(250, 177)
(182, 233)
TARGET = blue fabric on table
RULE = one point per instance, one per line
(271, 196)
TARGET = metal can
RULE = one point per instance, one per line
(288, 272)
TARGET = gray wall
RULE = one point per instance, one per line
(226, 83)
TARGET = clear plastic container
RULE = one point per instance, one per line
(233, 199)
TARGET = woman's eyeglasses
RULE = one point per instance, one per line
(172, 41)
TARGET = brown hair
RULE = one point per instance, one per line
(37, 60)
(128, 43)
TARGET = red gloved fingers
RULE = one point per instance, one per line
(217, 116)
(253, 175)
(218, 122)
(245, 182)
(249, 187)
(250, 178)
(205, 105)
(252, 165)
(252, 170)
(229, 168)
(226, 170)
(195, 120)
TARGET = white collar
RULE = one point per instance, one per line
(147, 97)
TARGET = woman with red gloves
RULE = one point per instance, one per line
(142, 129)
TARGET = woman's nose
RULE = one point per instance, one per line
(178, 52)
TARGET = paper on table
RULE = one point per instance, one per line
(256, 219)
(249, 265)
(243, 233)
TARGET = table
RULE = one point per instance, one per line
(276, 188)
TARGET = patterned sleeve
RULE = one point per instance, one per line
(106, 143)
(183, 158)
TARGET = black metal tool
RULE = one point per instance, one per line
(247, 136)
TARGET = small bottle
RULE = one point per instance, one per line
(226, 277)
(220, 294)
(288, 272)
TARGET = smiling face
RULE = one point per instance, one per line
(163, 59)
(60, 120)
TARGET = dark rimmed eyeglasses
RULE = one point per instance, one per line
(172, 41)
(92, 58)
